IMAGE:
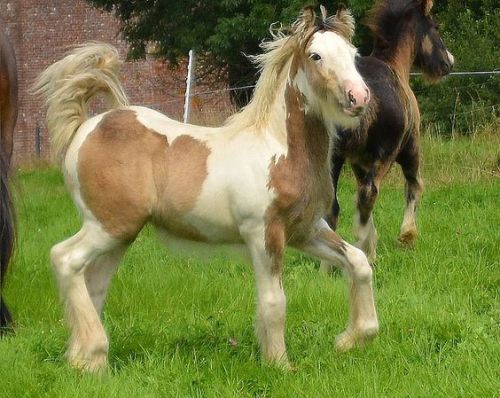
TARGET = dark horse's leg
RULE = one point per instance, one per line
(6, 237)
(409, 159)
(333, 218)
(368, 187)
(337, 164)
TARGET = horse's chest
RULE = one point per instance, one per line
(303, 194)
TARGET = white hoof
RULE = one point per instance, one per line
(92, 361)
(356, 337)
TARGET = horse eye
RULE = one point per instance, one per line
(314, 56)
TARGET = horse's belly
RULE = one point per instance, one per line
(199, 227)
(204, 251)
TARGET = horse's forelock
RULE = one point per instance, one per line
(341, 23)
(308, 24)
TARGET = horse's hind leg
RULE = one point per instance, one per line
(88, 345)
(409, 159)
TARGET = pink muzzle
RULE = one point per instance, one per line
(357, 96)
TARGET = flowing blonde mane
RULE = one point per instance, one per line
(274, 65)
(275, 61)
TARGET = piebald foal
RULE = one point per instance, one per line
(262, 180)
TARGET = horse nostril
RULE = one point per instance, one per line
(352, 99)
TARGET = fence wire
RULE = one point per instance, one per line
(464, 101)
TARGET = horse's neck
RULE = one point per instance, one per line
(308, 141)
(399, 55)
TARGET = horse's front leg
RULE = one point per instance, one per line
(267, 259)
(409, 159)
(333, 217)
(368, 188)
(330, 247)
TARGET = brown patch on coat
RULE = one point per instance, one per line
(301, 181)
(129, 174)
(179, 176)
(427, 46)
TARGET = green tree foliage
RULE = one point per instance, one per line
(224, 31)
(220, 31)
(471, 31)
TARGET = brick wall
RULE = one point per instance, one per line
(41, 32)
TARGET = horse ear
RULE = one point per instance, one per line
(427, 6)
(306, 20)
(345, 22)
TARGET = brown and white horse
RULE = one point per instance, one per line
(8, 117)
(262, 181)
(405, 34)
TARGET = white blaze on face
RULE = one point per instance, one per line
(451, 57)
(337, 56)
(331, 67)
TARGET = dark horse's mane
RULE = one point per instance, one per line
(384, 21)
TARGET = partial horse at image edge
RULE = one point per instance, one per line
(405, 35)
(261, 181)
(8, 117)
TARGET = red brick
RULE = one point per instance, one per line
(41, 32)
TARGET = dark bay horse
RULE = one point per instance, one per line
(405, 35)
(8, 116)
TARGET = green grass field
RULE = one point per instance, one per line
(182, 328)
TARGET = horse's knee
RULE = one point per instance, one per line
(66, 262)
(273, 302)
(57, 258)
(361, 271)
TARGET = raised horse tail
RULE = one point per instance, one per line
(7, 236)
(69, 84)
